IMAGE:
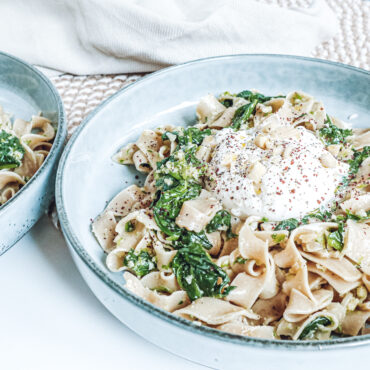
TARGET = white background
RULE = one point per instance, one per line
(49, 319)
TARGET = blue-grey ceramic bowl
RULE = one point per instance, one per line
(24, 91)
(87, 178)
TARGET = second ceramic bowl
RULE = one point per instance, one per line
(24, 91)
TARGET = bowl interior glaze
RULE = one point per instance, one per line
(87, 176)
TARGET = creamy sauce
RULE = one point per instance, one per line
(275, 173)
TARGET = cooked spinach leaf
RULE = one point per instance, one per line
(334, 239)
(289, 224)
(190, 135)
(221, 221)
(11, 151)
(311, 328)
(198, 275)
(358, 158)
(166, 182)
(324, 216)
(242, 114)
(169, 204)
(191, 238)
(357, 218)
(167, 209)
(182, 164)
(332, 134)
(292, 223)
(139, 263)
(249, 95)
(193, 135)
(354, 165)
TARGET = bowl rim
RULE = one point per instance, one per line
(59, 137)
(214, 334)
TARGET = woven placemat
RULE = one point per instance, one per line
(81, 94)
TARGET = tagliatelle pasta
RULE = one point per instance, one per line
(24, 146)
(254, 221)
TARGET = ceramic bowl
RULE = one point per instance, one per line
(87, 178)
(24, 91)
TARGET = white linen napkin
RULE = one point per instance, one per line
(123, 36)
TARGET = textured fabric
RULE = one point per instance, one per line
(115, 36)
(81, 94)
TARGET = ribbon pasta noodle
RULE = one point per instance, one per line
(24, 146)
(254, 221)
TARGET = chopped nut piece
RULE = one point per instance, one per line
(334, 149)
(328, 161)
(260, 141)
(256, 171)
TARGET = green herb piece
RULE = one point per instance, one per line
(358, 158)
(289, 224)
(264, 219)
(321, 239)
(162, 289)
(249, 95)
(198, 275)
(145, 165)
(278, 238)
(190, 135)
(242, 114)
(221, 220)
(227, 103)
(354, 164)
(182, 164)
(129, 226)
(335, 238)
(166, 137)
(320, 215)
(240, 260)
(310, 330)
(297, 96)
(11, 151)
(357, 218)
(292, 223)
(333, 134)
(139, 263)
(166, 182)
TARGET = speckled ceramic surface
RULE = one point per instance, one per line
(170, 97)
(24, 92)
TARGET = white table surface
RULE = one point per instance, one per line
(49, 319)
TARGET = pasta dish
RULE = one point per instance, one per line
(254, 221)
(23, 148)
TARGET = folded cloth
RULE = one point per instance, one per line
(123, 36)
